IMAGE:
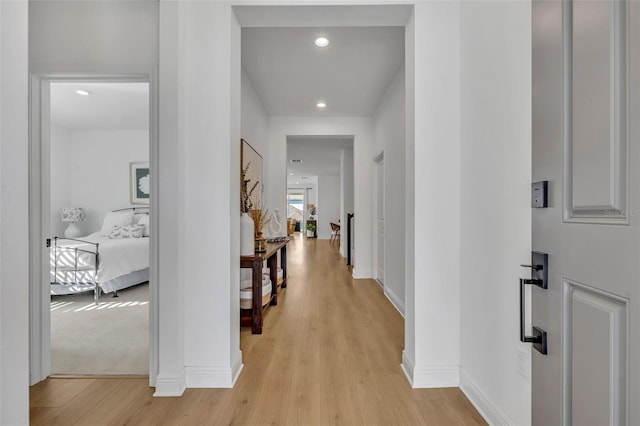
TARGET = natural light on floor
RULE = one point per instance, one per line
(70, 306)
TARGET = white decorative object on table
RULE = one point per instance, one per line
(247, 235)
(275, 225)
(72, 215)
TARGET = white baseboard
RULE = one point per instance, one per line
(209, 377)
(170, 385)
(361, 273)
(395, 300)
(487, 409)
(441, 376)
(236, 368)
(407, 367)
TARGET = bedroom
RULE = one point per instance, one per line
(99, 136)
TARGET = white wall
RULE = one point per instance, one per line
(210, 88)
(328, 204)
(496, 213)
(361, 128)
(105, 36)
(254, 120)
(432, 310)
(389, 135)
(14, 208)
(100, 170)
(90, 169)
(170, 214)
(61, 179)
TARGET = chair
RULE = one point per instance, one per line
(335, 233)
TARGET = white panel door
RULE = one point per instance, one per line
(586, 112)
(380, 214)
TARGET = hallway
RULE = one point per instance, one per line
(329, 354)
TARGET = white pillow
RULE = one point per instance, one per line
(112, 219)
(127, 231)
(144, 220)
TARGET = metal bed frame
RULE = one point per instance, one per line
(84, 271)
(75, 252)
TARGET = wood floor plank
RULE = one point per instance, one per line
(329, 354)
(55, 393)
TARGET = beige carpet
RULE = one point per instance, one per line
(111, 338)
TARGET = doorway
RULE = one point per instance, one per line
(94, 131)
(295, 207)
(380, 214)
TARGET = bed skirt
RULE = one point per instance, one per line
(118, 283)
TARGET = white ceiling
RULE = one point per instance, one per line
(109, 106)
(290, 74)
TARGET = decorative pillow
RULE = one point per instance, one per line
(144, 220)
(127, 231)
(112, 219)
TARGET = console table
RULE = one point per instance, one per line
(255, 263)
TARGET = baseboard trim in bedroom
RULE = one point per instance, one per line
(98, 376)
(209, 377)
(170, 385)
(487, 409)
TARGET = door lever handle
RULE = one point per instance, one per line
(539, 277)
(539, 269)
(534, 281)
(534, 267)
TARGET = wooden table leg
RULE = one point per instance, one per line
(272, 262)
(256, 280)
(283, 264)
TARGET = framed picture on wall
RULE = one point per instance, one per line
(139, 183)
(252, 163)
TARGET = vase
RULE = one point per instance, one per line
(246, 235)
(72, 231)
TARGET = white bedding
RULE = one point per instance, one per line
(118, 257)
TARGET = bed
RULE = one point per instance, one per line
(114, 258)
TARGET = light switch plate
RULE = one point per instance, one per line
(539, 194)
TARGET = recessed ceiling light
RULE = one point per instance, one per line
(322, 42)
(290, 174)
(83, 92)
(321, 104)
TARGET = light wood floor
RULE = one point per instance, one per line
(329, 354)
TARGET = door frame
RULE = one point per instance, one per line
(378, 159)
(39, 217)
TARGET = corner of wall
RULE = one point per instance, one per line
(168, 385)
(204, 376)
(361, 273)
(440, 376)
(395, 300)
(487, 409)
(236, 368)
(407, 366)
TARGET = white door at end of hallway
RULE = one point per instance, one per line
(585, 135)
(380, 215)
